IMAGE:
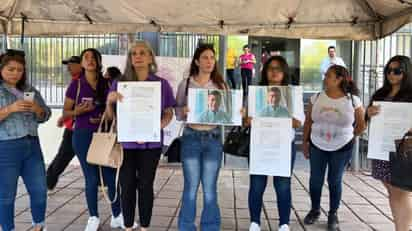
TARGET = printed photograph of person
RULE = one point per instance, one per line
(214, 112)
(273, 107)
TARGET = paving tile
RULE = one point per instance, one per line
(364, 203)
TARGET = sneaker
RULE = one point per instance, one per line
(312, 217)
(254, 227)
(284, 227)
(118, 222)
(333, 222)
(92, 224)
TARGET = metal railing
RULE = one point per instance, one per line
(44, 55)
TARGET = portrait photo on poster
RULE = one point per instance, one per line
(275, 101)
(215, 107)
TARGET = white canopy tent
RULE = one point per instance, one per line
(334, 19)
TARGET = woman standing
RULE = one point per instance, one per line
(85, 101)
(141, 159)
(201, 148)
(328, 138)
(247, 62)
(397, 87)
(275, 72)
(20, 152)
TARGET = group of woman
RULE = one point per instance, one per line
(335, 117)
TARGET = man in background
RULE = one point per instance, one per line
(65, 153)
(331, 60)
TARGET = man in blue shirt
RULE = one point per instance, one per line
(274, 109)
(213, 114)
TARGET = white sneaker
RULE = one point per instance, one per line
(92, 224)
(284, 227)
(254, 227)
(118, 222)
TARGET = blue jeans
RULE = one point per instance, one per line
(201, 158)
(81, 142)
(22, 157)
(336, 162)
(283, 194)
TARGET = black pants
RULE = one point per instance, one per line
(246, 79)
(138, 173)
(63, 157)
(231, 77)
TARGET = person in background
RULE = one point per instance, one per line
(21, 110)
(65, 153)
(247, 62)
(231, 62)
(112, 73)
(332, 59)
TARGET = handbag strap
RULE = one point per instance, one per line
(106, 197)
(77, 98)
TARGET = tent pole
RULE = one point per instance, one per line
(23, 20)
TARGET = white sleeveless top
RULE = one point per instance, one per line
(333, 120)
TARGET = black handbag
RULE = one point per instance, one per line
(173, 151)
(401, 163)
(237, 142)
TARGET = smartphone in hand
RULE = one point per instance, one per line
(87, 100)
(28, 96)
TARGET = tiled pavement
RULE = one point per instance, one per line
(364, 207)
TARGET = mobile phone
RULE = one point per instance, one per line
(28, 96)
(87, 100)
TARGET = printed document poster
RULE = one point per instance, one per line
(392, 122)
(139, 112)
(276, 101)
(214, 107)
(270, 146)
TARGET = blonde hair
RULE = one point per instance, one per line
(129, 72)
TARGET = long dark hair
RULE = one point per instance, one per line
(215, 76)
(283, 65)
(8, 57)
(405, 91)
(114, 73)
(102, 83)
(348, 86)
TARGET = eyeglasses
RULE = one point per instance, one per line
(395, 71)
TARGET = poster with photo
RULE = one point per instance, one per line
(276, 101)
(214, 107)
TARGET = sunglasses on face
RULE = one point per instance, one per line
(395, 71)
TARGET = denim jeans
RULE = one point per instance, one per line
(336, 162)
(22, 157)
(283, 194)
(201, 158)
(81, 142)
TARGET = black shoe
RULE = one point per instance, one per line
(51, 182)
(312, 217)
(333, 222)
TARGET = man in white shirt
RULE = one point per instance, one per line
(329, 61)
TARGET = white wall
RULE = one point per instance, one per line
(51, 136)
